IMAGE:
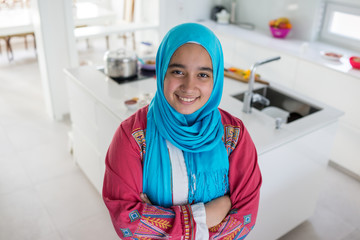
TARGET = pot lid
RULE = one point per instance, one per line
(120, 54)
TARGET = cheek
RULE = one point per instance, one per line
(208, 90)
(168, 88)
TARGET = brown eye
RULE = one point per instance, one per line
(177, 72)
(204, 75)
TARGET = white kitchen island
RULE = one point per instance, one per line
(292, 159)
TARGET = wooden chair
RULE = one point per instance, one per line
(7, 39)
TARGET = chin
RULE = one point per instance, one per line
(186, 111)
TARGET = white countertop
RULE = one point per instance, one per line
(261, 127)
(309, 51)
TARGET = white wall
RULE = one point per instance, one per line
(174, 12)
(303, 14)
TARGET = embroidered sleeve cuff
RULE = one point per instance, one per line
(188, 222)
(199, 214)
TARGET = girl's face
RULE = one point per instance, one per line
(188, 80)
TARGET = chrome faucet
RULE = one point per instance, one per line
(249, 96)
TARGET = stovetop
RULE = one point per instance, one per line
(141, 75)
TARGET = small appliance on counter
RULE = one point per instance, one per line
(215, 10)
(223, 17)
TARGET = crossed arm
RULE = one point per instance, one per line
(216, 210)
(133, 215)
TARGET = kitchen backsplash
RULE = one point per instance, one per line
(304, 15)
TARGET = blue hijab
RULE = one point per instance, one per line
(198, 135)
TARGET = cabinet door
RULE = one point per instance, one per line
(88, 158)
(292, 179)
(82, 111)
(107, 125)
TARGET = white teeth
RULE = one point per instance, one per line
(186, 99)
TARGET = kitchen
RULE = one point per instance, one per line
(271, 71)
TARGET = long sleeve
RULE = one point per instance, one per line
(131, 218)
(244, 182)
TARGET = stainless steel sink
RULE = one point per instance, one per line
(296, 108)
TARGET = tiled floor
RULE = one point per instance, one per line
(44, 195)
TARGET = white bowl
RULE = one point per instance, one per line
(132, 104)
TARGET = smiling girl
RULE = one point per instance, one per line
(182, 168)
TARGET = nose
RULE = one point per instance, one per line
(188, 83)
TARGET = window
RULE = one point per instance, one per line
(342, 25)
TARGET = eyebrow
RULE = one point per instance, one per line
(174, 65)
(206, 69)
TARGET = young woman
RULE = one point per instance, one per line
(181, 168)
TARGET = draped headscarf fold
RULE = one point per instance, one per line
(198, 135)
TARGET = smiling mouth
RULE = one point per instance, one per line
(186, 99)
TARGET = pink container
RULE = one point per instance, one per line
(355, 62)
(279, 32)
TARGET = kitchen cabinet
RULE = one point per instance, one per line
(292, 159)
(95, 116)
(292, 179)
(93, 127)
(341, 91)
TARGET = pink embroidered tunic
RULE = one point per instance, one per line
(134, 219)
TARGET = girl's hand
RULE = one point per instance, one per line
(216, 210)
(144, 198)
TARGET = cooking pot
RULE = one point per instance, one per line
(120, 64)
